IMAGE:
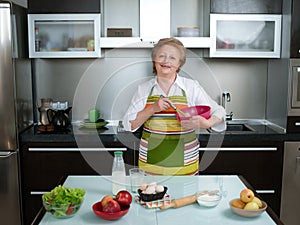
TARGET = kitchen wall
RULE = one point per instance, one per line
(108, 83)
(20, 2)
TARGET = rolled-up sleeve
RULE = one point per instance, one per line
(137, 104)
(198, 96)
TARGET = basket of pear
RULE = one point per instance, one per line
(247, 205)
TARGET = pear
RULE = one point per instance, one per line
(238, 204)
(251, 206)
(257, 201)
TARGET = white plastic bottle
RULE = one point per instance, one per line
(118, 173)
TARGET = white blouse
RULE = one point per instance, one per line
(195, 94)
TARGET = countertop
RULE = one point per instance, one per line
(178, 186)
(113, 133)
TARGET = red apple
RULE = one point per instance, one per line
(111, 206)
(105, 199)
(246, 195)
(124, 198)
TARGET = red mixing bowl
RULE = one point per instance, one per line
(201, 110)
(97, 208)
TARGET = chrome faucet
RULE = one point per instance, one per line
(226, 98)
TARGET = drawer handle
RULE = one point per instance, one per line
(265, 191)
(38, 192)
(297, 123)
(240, 149)
(75, 149)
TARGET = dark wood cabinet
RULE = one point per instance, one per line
(293, 124)
(295, 30)
(64, 6)
(260, 163)
(44, 165)
(247, 6)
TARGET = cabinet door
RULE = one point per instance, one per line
(245, 35)
(295, 33)
(64, 35)
(63, 6)
(246, 6)
(260, 165)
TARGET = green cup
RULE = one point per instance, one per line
(93, 115)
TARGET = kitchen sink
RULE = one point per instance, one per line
(238, 127)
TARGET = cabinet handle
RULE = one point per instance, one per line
(297, 123)
(265, 191)
(38, 192)
(241, 149)
(75, 149)
(6, 154)
(298, 159)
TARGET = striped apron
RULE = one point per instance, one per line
(165, 147)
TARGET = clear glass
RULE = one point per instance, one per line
(136, 178)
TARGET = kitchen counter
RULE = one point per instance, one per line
(178, 186)
(262, 131)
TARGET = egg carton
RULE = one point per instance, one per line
(166, 200)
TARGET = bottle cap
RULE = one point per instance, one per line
(118, 153)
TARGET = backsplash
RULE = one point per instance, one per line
(108, 83)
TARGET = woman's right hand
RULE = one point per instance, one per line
(161, 104)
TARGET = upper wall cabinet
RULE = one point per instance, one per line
(295, 30)
(64, 28)
(247, 6)
(64, 35)
(144, 22)
(63, 6)
(245, 35)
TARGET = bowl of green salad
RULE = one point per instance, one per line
(63, 202)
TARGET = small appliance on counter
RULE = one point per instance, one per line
(53, 115)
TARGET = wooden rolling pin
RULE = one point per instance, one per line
(179, 202)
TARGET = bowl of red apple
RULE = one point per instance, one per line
(113, 208)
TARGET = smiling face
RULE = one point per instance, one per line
(167, 60)
(168, 56)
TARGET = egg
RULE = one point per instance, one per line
(143, 187)
(149, 190)
(159, 188)
(152, 184)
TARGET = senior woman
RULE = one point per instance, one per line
(167, 146)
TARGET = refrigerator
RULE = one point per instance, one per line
(15, 106)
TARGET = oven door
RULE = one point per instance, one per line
(295, 86)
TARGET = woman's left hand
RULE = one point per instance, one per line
(196, 122)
